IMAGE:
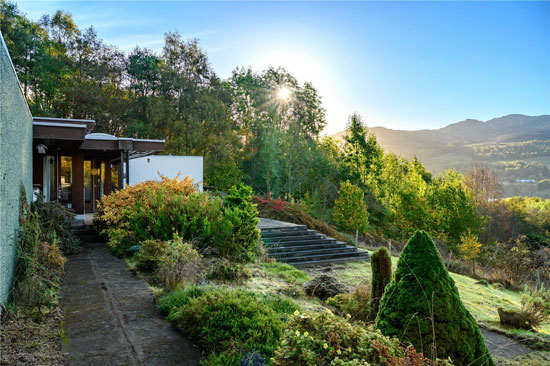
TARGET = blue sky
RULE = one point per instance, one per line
(402, 65)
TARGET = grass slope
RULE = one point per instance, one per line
(481, 301)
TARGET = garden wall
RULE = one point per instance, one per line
(15, 163)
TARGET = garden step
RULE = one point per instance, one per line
(316, 257)
(288, 233)
(278, 249)
(294, 238)
(300, 246)
(328, 261)
(301, 242)
(337, 250)
(283, 229)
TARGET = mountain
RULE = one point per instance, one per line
(516, 146)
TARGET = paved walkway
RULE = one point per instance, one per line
(500, 345)
(111, 319)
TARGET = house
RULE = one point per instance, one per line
(76, 166)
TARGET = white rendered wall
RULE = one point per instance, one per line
(149, 167)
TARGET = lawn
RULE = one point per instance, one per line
(482, 301)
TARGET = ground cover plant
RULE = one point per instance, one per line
(421, 305)
(228, 324)
(325, 339)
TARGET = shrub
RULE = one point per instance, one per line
(180, 297)
(228, 271)
(286, 272)
(350, 211)
(421, 305)
(535, 309)
(381, 276)
(231, 323)
(179, 264)
(325, 339)
(56, 224)
(158, 210)
(357, 303)
(148, 257)
(536, 306)
(112, 210)
(243, 215)
(39, 261)
(51, 257)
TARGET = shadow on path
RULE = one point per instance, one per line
(111, 318)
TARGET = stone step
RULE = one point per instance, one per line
(300, 246)
(277, 249)
(301, 253)
(317, 257)
(294, 238)
(301, 242)
(325, 262)
(295, 228)
(288, 233)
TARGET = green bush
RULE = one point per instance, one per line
(243, 215)
(148, 257)
(180, 297)
(226, 271)
(421, 305)
(356, 304)
(381, 276)
(179, 264)
(158, 210)
(231, 323)
(286, 272)
(325, 339)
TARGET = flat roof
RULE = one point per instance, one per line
(68, 120)
(52, 124)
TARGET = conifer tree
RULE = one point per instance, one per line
(421, 305)
(381, 276)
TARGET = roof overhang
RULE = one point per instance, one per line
(124, 144)
(88, 123)
(58, 131)
(75, 134)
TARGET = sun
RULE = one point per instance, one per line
(283, 93)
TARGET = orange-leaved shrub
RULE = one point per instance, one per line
(112, 210)
(158, 210)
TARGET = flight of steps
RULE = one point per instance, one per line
(86, 233)
(300, 246)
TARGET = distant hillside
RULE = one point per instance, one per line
(516, 146)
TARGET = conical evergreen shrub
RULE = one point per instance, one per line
(381, 276)
(421, 306)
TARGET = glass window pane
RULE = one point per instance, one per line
(87, 180)
(66, 179)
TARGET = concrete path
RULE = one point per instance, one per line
(111, 318)
(500, 345)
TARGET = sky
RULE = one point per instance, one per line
(402, 65)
